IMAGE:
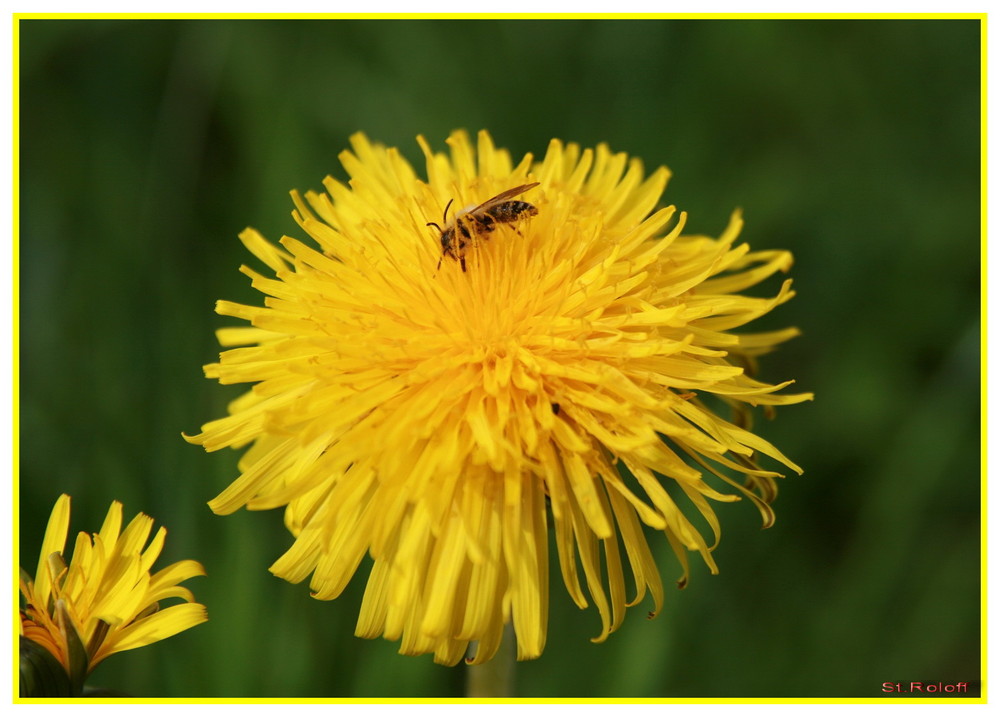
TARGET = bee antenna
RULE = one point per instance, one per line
(433, 224)
(445, 217)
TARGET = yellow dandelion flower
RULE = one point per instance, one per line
(106, 600)
(437, 397)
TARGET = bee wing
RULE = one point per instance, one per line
(503, 196)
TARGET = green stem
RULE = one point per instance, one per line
(496, 677)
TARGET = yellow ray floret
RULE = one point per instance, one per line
(106, 599)
(431, 403)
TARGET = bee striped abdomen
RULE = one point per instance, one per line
(507, 212)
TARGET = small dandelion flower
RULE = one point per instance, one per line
(106, 600)
(437, 390)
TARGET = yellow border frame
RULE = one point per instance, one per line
(982, 17)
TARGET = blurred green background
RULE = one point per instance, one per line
(146, 146)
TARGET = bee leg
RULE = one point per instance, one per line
(462, 260)
(439, 262)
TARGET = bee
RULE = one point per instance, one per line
(479, 221)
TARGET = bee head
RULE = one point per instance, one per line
(447, 237)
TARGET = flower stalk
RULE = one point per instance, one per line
(496, 677)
